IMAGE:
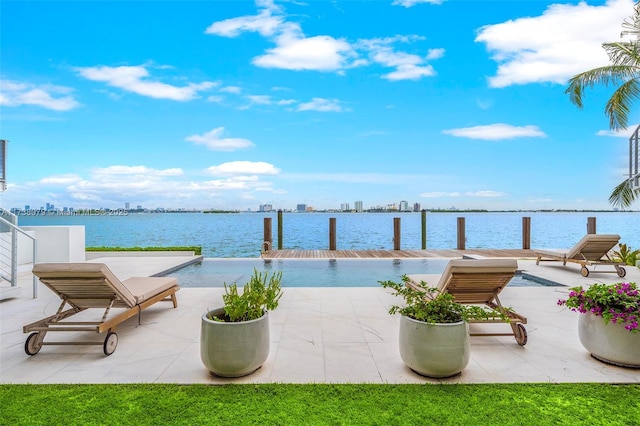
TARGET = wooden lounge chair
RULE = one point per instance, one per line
(479, 282)
(592, 249)
(92, 285)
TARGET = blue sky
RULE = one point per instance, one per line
(234, 104)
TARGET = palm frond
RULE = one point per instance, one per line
(623, 52)
(631, 25)
(619, 105)
(623, 195)
(602, 76)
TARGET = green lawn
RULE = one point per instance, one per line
(321, 404)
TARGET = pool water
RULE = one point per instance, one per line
(313, 272)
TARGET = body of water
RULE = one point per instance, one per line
(314, 272)
(232, 235)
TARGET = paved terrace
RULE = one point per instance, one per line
(318, 335)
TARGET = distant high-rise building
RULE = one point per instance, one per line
(265, 208)
(345, 207)
(358, 206)
(416, 207)
(139, 207)
(126, 206)
(404, 206)
(301, 208)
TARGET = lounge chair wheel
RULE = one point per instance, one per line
(110, 343)
(521, 335)
(621, 271)
(584, 271)
(33, 344)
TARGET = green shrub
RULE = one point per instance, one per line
(257, 296)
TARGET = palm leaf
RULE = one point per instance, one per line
(632, 24)
(623, 195)
(618, 106)
(623, 53)
(602, 76)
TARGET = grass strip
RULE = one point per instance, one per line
(197, 250)
(321, 404)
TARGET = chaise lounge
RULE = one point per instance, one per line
(479, 282)
(85, 286)
(592, 249)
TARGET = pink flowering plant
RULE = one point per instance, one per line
(618, 303)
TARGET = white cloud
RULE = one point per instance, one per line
(497, 131)
(213, 140)
(116, 182)
(231, 89)
(485, 194)
(410, 72)
(135, 79)
(482, 194)
(295, 51)
(57, 98)
(366, 178)
(565, 40)
(65, 179)
(435, 53)
(115, 185)
(260, 99)
(243, 168)
(440, 194)
(411, 3)
(622, 133)
(322, 105)
(135, 170)
(263, 23)
(408, 66)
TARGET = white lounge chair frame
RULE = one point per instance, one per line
(591, 250)
(92, 285)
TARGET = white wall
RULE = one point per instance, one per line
(57, 243)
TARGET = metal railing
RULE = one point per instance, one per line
(9, 249)
(634, 159)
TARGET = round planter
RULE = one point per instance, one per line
(610, 343)
(234, 349)
(434, 350)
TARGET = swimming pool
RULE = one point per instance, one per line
(314, 272)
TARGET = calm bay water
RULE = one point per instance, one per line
(240, 235)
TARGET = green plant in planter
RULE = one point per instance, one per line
(431, 306)
(261, 293)
(626, 255)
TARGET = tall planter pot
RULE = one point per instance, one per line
(610, 343)
(434, 350)
(234, 349)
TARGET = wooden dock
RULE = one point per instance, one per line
(397, 254)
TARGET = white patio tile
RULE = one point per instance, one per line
(318, 335)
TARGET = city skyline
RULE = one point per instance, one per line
(238, 104)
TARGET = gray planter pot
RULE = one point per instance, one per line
(434, 350)
(234, 349)
(610, 343)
